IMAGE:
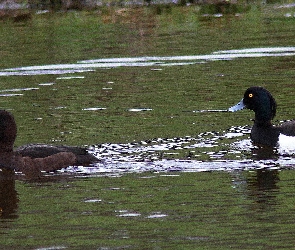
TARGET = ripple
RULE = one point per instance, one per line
(149, 61)
(94, 109)
(126, 213)
(4, 91)
(70, 77)
(17, 89)
(156, 216)
(230, 150)
(11, 95)
(46, 84)
(139, 109)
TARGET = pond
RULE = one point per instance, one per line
(148, 95)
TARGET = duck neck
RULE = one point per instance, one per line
(5, 148)
(7, 141)
(262, 123)
(263, 116)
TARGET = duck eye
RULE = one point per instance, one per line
(250, 95)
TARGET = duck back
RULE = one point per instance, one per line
(44, 150)
(288, 128)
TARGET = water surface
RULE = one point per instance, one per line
(148, 98)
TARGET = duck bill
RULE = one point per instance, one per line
(238, 106)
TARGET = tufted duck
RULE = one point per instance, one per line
(264, 105)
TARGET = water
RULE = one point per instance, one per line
(90, 65)
(240, 209)
(149, 99)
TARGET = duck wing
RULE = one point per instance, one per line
(44, 150)
(287, 128)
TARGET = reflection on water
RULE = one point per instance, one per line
(90, 65)
(261, 188)
(4, 91)
(211, 151)
(8, 195)
(228, 208)
(208, 190)
(220, 200)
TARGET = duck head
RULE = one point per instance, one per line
(260, 101)
(8, 131)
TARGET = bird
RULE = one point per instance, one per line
(33, 158)
(263, 132)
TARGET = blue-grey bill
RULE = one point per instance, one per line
(237, 107)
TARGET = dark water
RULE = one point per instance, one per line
(147, 94)
(216, 210)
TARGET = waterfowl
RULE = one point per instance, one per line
(33, 158)
(264, 105)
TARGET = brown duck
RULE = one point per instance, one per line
(33, 158)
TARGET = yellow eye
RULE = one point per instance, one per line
(251, 95)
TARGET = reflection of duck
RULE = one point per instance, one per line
(8, 195)
(34, 158)
(263, 189)
(263, 104)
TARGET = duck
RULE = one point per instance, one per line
(263, 132)
(31, 159)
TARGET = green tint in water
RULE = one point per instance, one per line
(55, 112)
(215, 210)
(219, 210)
